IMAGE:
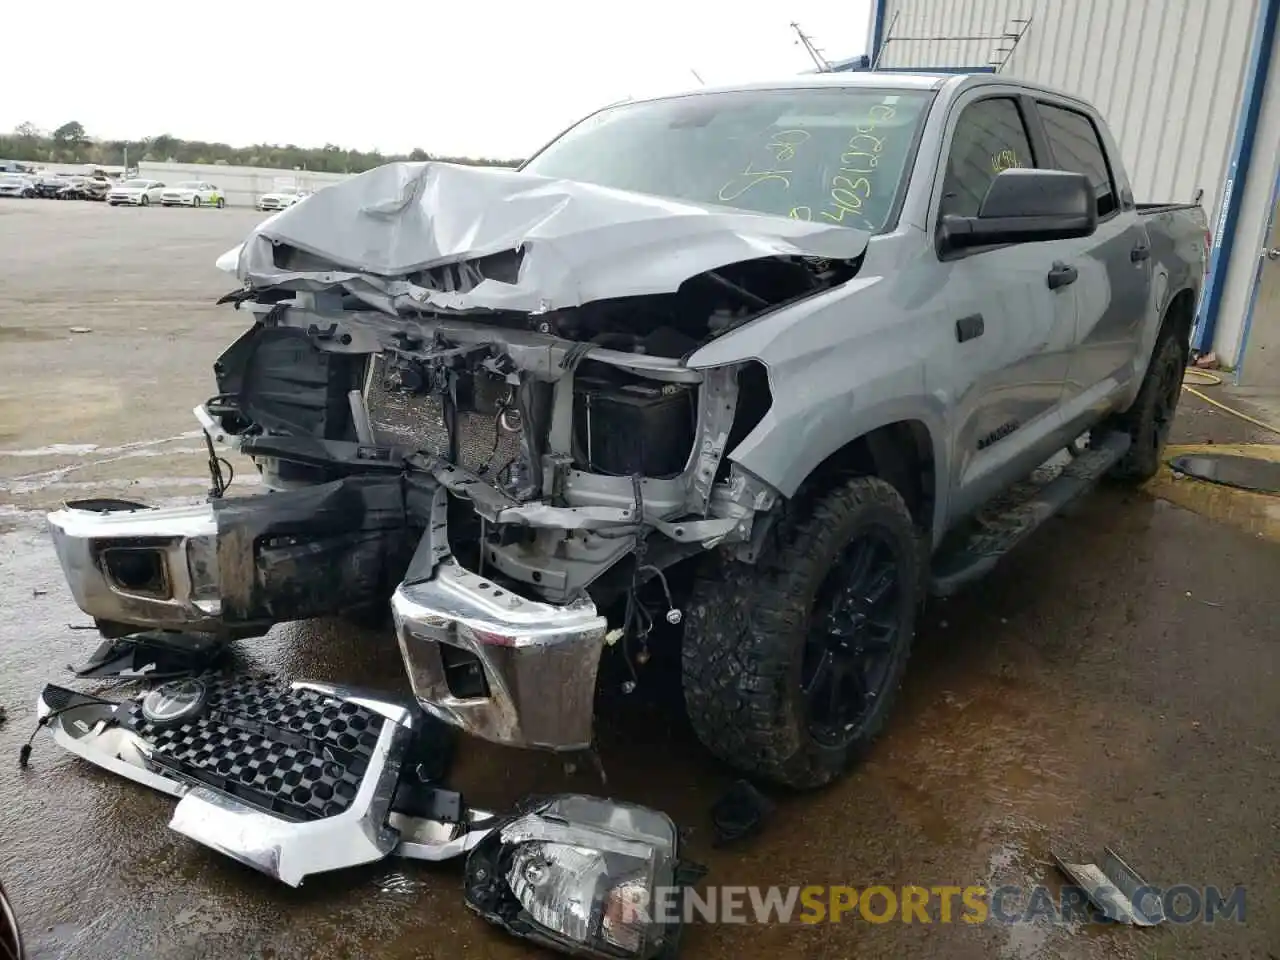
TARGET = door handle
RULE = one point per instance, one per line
(1273, 253)
(1062, 275)
(1139, 253)
(970, 327)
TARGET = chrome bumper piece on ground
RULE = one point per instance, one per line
(539, 661)
(365, 831)
(145, 567)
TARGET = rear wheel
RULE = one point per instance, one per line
(1150, 420)
(790, 667)
(220, 203)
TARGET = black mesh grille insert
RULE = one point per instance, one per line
(298, 754)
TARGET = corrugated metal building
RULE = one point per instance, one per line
(1186, 88)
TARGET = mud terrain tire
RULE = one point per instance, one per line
(1149, 421)
(751, 647)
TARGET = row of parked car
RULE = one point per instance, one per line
(54, 186)
(134, 192)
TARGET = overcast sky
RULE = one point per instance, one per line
(479, 77)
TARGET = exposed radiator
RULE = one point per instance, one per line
(417, 422)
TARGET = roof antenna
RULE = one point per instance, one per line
(696, 77)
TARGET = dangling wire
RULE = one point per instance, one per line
(635, 611)
(217, 484)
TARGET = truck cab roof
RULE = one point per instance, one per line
(953, 83)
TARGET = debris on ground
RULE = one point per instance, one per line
(1230, 470)
(1111, 888)
(398, 883)
(1207, 361)
(82, 330)
(739, 813)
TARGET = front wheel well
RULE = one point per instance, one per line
(899, 453)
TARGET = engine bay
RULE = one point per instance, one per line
(564, 439)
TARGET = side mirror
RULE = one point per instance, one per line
(1026, 206)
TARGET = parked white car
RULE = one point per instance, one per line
(192, 193)
(138, 193)
(280, 199)
(16, 185)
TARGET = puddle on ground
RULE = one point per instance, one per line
(54, 450)
(24, 335)
(84, 449)
(134, 483)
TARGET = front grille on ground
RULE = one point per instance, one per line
(297, 754)
(417, 422)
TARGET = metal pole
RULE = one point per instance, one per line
(888, 36)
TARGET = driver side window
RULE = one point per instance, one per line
(990, 136)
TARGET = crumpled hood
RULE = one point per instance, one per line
(579, 242)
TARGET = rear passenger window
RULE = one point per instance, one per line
(1077, 147)
(990, 136)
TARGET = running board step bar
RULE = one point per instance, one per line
(1001, 527)
(292, 779)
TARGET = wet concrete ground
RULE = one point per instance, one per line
(1116, 684)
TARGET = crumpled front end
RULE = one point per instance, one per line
(468, 392)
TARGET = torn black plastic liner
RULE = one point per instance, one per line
(318, 550)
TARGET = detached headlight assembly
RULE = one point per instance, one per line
(586, 876)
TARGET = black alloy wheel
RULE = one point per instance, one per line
(852, 637)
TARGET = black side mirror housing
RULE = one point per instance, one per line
(1026, 206)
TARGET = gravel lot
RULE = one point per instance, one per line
(1117, 684)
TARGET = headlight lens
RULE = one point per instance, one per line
(580, 874)
(230, 260)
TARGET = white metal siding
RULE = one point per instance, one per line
(1167, 75)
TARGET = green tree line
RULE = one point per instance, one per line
(71, 144)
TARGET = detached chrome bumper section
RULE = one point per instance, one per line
(538, 662)
(497, 665)
(142, 566)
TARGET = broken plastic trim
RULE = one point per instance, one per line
(97, 730)
(1116, 889)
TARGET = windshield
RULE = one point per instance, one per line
(190, 185)
(834, 155)
(136, 184)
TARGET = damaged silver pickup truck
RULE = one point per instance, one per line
(750, 369)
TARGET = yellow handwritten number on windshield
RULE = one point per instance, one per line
(752, 178)
(860, 158)
(784, 144)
